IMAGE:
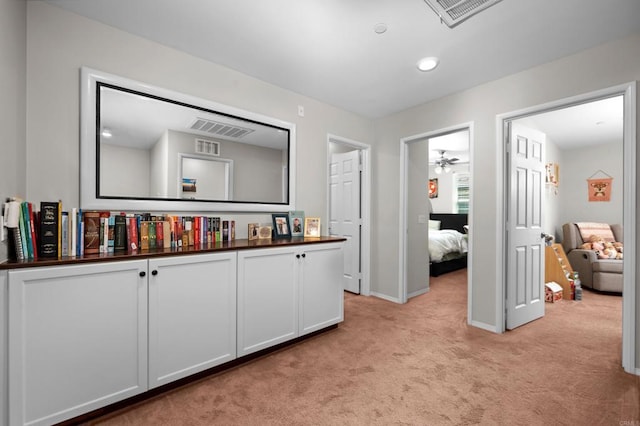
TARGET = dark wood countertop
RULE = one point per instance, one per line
(146, 254)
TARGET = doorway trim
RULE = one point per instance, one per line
(629, 302)
(404, 200)
(365, 204)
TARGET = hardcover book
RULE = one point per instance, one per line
(120, 237)
(49, 229)
(144, 235)
(91, 232)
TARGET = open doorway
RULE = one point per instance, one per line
(576, 161)
(349, 207)
(443, 155)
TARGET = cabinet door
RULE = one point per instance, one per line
(267, 298)
(321, 293)
(192, 315)
(77, 339)
(4, 389)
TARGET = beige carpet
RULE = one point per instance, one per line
(421, 364)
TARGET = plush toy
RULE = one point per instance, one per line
(603, 249)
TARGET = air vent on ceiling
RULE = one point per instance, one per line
(219, 129)
(453, 12)
(206, 147)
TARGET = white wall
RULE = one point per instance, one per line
(13, 71)
(124, 171)
(578, 165)
(604, 66)
(60, 42)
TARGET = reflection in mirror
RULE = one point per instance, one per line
(160, 148)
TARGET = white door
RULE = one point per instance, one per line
(525, 242)
(344, 212)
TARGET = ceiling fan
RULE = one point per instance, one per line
(443, 163)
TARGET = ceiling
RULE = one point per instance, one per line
(328, 49)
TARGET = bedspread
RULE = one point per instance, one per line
(445, 241)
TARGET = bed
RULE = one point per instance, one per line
(448, 243)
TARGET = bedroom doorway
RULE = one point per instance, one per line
(625, 188)
(443, 155)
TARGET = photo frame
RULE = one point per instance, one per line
(311, 226)
(264, 232)
(253, 230)
(433, 188)
(281, 226)
(296, 220)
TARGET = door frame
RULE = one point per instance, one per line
(404, 200)
(365, 204)
(629, 302)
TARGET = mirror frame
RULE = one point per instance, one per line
(90, 200)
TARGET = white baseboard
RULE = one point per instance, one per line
(417, 293)
(385, 297)
(487, 327)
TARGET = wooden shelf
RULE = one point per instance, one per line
(556, 268)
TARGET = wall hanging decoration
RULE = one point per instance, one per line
(433, 188)
(599, 188)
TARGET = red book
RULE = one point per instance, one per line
(159, 234)
(196, 231)
(133, 233)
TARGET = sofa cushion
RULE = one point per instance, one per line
(607, 265)
(600, 230)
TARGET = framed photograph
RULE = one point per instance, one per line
(253, 231)
(281, 226)
(296, 220)
(433, 188)
(311, 226)
(264, 232)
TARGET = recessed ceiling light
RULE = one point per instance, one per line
(380, 28)
(427, 64)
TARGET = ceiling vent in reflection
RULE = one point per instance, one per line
(453, 12)
(206, 147)
(219, 129)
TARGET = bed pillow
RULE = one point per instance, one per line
(434, 224)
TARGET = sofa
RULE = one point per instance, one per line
(598, 274)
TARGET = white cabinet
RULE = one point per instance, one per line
(287, 292)
(77, 339)
(267, 298)
(4, 389)
(192, 314)
(321, 292)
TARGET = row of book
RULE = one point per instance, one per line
(52, 232)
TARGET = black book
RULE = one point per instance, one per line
(120, 237)
(49, 229)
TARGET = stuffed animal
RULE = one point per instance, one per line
(603, 249)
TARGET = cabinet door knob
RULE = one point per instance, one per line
(143, 273)
(297, 256)
(304, 255)
(154, 272)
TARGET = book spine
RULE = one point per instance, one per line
(26, 224)
(166, 225)
(225, 230)
(59, 230)
(112, 234)
(73, 227)
(49, 229)
(91, 232)
(152, 234)
(144, 235)
(120, 238)
(159, 234)
(65, 234)
(33, 230)
(133, 233)
(17, 242)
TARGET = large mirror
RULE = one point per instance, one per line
(148, 148)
